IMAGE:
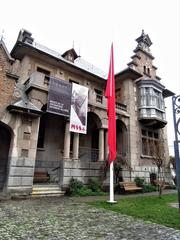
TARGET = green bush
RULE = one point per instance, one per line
(149, 188)
(74, 186)
(94, 184)
(77, 188)
(83, 191)
(139, 181)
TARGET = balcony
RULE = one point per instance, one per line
(99, 100)
(151, 108)
(151, 103)
(152, 117)
(37, 80)
(40, 81)
(121, 106)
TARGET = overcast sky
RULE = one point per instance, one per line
(91, 25)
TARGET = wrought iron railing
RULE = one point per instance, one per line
(121, 106)
(88, 154)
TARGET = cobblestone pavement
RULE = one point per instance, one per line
(69, 219)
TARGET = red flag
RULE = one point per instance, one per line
(110, 94)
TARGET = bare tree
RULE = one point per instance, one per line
(172, 166)
(159, 161)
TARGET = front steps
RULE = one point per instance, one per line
(47, 190)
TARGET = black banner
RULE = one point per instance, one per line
(59, 97)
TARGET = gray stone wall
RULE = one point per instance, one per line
(22, 155)
(80, 170)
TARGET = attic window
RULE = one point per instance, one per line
(70, 57)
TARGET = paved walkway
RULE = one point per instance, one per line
(72, 219)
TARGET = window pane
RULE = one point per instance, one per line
(144, 147)
(149, 142)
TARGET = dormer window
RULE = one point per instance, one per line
(70, 55)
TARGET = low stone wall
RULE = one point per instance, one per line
(20, 176)
(144, 172)
(80, 170)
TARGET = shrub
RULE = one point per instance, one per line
(83, 191)
(77, 188)
(149, 188)
(74, 186)
(139, 181)
(94, 184)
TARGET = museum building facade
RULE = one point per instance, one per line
(33, 140)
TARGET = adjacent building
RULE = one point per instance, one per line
(34, 141)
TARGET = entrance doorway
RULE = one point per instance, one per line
(5, 138)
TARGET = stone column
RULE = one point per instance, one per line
(101, 144)
(76, 146)
(106, 148)
(67, 139)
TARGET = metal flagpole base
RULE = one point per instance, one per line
(112, 201)
(111, 196)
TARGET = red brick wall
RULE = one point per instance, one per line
(6, 84)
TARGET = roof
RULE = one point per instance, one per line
(72, 51)
(78, 62)
(81, 63)
(144, 38)
(167, 93)
(24, 107)
(25, 40)
(23, 104)
(6, 51)
(128, 73)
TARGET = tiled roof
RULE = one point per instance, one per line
(26, 105)
(79, 62)
(23, 101)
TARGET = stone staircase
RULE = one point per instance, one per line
(46, 190)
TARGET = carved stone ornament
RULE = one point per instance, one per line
(17, 92)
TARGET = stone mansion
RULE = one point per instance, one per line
(34, 140)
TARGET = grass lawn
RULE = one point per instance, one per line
(149, 208)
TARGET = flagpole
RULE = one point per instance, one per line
(110, 94)
(111, 190)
